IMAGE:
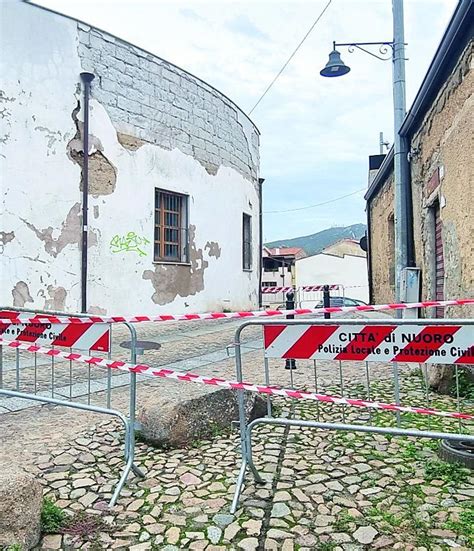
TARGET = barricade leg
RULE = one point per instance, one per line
(86, 407)
(131, 438)
(130, 441)
(267, 382)
(245, 451)
(396, 389)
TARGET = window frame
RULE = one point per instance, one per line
(247, 259)
(182, 227)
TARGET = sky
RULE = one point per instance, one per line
(316, 133)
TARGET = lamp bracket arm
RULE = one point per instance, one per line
(383, 48)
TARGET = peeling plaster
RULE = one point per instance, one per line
(130, 142)
(70, 233)
(5, 114)
(5, 98)
(171, 280)
(214, 249)
(97, 311)
(57, 299)
(52, 136)
(6, 237)
(102, 173)
(210, 167)
(21, 294)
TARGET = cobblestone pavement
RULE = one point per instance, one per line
(324, 490)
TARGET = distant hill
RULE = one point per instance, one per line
(315, 243)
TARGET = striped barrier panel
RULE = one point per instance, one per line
(86, 336)
(441, 344)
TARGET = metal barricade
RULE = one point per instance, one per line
(306, 296)
(392, 342)
(309, 296)
(32, 377)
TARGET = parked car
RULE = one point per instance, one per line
(342, 301)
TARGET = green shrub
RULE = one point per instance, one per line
(53, 517)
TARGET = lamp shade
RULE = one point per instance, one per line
(335, 67)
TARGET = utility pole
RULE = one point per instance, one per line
(335, 67)
(400, 174)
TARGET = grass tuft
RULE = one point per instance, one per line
(53, 518)
(449, 472)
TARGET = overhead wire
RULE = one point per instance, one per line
(291, 56)
(317, 204)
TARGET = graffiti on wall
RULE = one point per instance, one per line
(130, 242)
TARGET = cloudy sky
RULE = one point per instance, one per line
(316, 133)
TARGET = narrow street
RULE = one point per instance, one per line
(324, 490)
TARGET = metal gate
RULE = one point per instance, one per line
(423, 342)
(32, 377)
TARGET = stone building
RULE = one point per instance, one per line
(440, 131)
(172, 182)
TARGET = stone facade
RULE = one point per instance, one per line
(442, 171)
(382, 244)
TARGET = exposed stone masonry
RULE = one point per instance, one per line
(152, 100)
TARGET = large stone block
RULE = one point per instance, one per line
(21, 498)
(192, 414)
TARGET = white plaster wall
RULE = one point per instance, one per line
(322, 269)
(40, 185)
(216, 205)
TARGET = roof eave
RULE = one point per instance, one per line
(456, 36)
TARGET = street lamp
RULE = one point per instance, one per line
(335, 67)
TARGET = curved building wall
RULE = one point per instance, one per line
(152, 127)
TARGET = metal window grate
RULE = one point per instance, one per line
(171, 232)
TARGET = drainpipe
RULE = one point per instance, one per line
(406, 171)
(260, 239)
(86, 78)
(369, 255)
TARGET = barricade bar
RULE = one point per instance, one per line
(42, 318)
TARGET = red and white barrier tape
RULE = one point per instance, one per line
(310, 288)
(304, 288)
(144, 369)
(275, 290)
(42, 318)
